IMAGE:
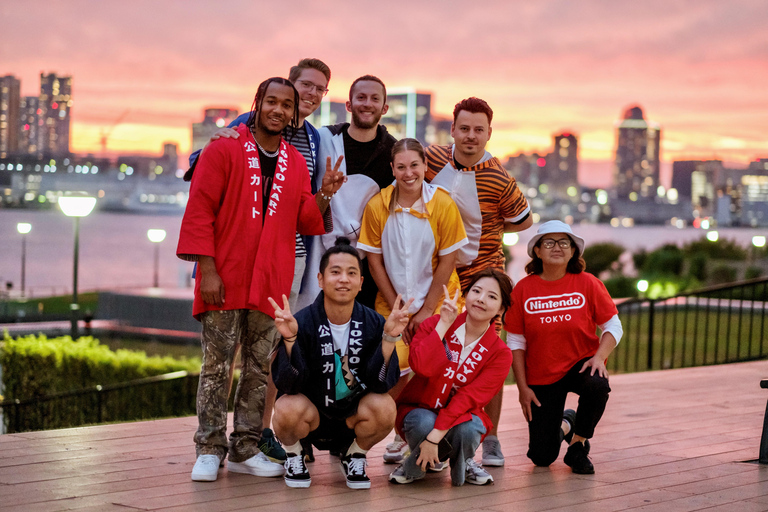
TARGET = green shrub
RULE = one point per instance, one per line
(753, 272)
(601, 257)
(722, 274)
(697, 266)
(35, 366)
(621, 287)
(722, 249)
(667, 260)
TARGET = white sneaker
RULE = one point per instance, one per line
(476, 474)
(396, 451)
(206, 468)
(258, 465)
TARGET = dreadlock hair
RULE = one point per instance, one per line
(258, 100)
(402, 146)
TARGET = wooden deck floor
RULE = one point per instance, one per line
(669, 441)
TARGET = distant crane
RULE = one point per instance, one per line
(105, 133)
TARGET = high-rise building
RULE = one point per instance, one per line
(329, 112)
(10, 90)
(563, 166)
(636, 169)
(213, 119)
(410, 115)
(30, 124)
(55, 112)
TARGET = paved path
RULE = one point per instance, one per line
(674, 440)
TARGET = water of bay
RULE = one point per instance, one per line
(116, 254)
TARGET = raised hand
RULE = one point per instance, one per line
(398, 318)
(450, 309)
(286, 324)
(333, 178)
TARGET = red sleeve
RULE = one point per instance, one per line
(604, 306)
(479, 392)
(209, 183)
(310, 220)
(426, 352)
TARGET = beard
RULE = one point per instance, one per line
(363, 124)
(268, 131)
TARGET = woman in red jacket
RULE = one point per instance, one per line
(459, 364)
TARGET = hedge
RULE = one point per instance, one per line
(36, 366)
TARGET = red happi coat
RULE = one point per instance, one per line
(223, 219)
(453, 391)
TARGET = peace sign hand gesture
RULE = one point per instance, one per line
(333, 178)
(449, 310)
(398, 318)
(286, 324)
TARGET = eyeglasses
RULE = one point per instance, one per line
(564, 243)
(309, 86)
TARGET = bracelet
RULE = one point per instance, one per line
(325, 197)
(291, 338)
(431, 442)
(391, 339)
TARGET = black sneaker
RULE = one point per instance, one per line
(569, 415)
(296, 473)
(578, 459)
(307, 450)
(353, 467)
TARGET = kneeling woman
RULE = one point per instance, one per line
(459, 364)
(551, 328)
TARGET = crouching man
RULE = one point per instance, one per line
(333, 368)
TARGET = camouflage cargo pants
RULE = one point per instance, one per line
(222, 331)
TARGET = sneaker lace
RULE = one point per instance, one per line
(295, 464)
(356, 466)
(474, 467)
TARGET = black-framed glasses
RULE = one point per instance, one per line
(564, 243)
(309, 86)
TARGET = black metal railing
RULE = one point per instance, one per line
(171, 394)
(719, 324)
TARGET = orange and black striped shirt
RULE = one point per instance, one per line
(496, 196)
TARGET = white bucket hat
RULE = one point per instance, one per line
(555, 226)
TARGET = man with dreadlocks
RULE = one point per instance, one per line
(248, 198)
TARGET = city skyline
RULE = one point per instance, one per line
(696, 68)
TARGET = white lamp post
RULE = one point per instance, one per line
(76, 206)
(156, 236)
(23, 228)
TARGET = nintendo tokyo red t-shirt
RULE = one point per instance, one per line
(559, 320)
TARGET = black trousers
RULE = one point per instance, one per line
(544, 433)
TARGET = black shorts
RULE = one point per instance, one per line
(332, 433)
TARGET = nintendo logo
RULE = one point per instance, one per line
(554, 303)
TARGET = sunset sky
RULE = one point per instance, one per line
(699, 68)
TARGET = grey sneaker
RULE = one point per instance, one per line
(396, 451)
(206, 468)
(492, 455)
(398, 476)
(476, 474)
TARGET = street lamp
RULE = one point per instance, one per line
(156, 236)
(23, 228)
(76, 206)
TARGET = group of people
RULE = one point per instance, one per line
(362, 280)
